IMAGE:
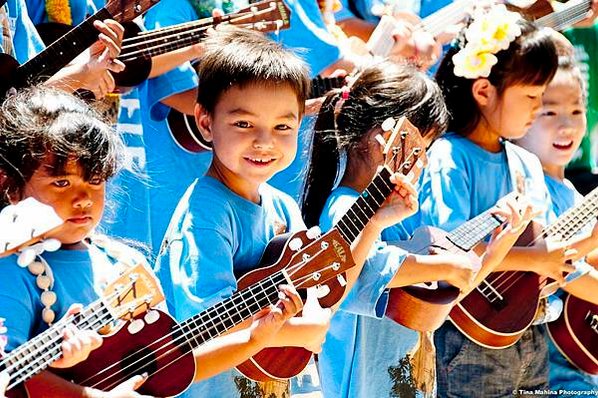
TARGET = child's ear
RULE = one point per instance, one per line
(483, 91)
(203, 120)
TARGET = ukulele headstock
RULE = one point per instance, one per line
(127, 10)
(265, 16)
(26, 223)
(133, 292)
(405, 150)
(323, 258)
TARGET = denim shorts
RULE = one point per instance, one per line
(467, 370)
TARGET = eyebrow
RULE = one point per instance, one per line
(552, 103)
(245, 112)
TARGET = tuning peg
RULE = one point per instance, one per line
(151, 316)
(295, 244)
(313, 232)
(322, 291)
(341, 280)
(135, 326)
(388, 124)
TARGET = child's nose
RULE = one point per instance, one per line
(82, 200)
(264, 139)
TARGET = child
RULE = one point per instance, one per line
(55, 149)
(492, 79)
(250, 103)
(554, 137)
(355, 360)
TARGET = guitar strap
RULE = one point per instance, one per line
(515, 166)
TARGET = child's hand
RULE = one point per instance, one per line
(4, 379)
(517, 212)
(269, 321)
(456, 269)
(76, 344)
(551, 259)
(318, 321)
(401, 203)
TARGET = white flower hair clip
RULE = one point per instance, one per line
(489, 33)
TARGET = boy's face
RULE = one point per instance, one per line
(561, 124)
(78, 202)
(254, 134)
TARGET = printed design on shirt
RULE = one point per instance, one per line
(204, 8)
(5, 25)
(257, 389)
(279, 226)
(401, 378)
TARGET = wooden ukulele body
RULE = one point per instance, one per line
(171, 368)
(283, 362)
(496, 316)
(575, 334)
(420, 307)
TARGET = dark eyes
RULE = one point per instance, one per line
(242, 124)
(61, 183)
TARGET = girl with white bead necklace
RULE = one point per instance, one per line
(55, 149)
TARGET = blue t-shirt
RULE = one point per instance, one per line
(214, 237)
(79, 277)
(356, 360)
(462, 180)
(38, 14)
(563, 375)
(26, 43)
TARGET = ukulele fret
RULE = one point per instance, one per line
(225, 315)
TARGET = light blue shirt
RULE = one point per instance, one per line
(214, 237)
(26, 43)
(563, 375)
(38, 14)
(356, 359)
(79, 277)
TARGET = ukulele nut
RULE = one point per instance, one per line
(295, 244)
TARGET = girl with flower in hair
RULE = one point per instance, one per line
(356, 360)
(492, 79)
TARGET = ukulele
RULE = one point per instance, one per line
(504, 305)
(140, 46)
(424, 307)
(573, 12)
(404, 152)
(26, 223)
(128, 297)
(575, 333)
(185, 133)
(64, 50)
(164, 348)
(381, 40)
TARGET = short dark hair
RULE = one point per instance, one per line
(39, 125)
(239, 57)
(531, 59)
(380, 91)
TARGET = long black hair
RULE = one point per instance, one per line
(531, 59)
(42, 125)
(380, 91)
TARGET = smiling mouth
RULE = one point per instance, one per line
(563, 145)
(260, 161)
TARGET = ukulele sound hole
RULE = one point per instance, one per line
(139, 361)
